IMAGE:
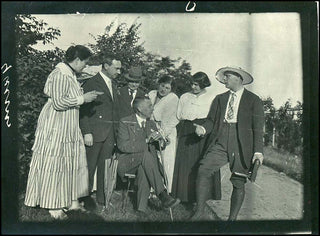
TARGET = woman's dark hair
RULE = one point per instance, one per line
(166, 79)
(79, 51)
(202, 79)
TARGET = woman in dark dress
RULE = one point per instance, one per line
(193, 108)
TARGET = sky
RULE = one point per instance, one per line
(267, 45)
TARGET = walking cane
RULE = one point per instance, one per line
(164, 175)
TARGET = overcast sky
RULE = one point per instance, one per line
(267, 45)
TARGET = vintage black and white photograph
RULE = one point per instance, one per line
(158, 117)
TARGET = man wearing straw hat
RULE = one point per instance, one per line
(235, 123)
(130, 91)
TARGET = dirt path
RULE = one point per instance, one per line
(273, 196)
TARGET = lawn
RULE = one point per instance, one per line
(113, 213)
(285, 162)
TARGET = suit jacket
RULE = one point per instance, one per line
(125, 108)
(100, 117)
(250, 123)
(131, 143)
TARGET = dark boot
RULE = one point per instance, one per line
(167, 200)
(203, 191)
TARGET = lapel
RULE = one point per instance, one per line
(125, 94)
(103, 85)
(224, 102)
(115, 92)
(244, 101)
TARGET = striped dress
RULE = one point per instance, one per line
(58, 170)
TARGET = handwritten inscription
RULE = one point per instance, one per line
(193, 6)
(4, 69)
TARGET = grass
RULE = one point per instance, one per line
(113, 213)
(283, 161)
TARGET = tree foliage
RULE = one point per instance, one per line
(124, 45)
(287, 121)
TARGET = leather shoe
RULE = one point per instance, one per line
(168, 201)
(89, 204)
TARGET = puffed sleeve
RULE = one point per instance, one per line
(60, 92)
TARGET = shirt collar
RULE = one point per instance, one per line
(140, 119)
(238, 93)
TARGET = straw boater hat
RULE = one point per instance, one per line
(134, 74)
(246, 77)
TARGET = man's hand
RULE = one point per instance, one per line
(88, 139)
(154, 136)
(200, 130)
(258, 156)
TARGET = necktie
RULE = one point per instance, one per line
(131, 92)
(143, 126)
(230, 107)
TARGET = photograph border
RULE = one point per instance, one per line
(9, 142)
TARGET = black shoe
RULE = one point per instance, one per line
(168, 201)
(89, 203)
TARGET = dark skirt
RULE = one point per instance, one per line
(189, 152)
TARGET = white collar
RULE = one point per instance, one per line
(105, 77)
(238, 93)
(140, 119)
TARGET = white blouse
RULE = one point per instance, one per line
(192, 107)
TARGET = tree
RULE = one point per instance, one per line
(33, 67)
(123, 44)
(270, 119)
(289, 129)
(29, 31)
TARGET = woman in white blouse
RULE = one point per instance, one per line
(193, 108)
(165, 104)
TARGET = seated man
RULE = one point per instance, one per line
(137, 141)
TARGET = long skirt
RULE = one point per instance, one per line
(58, 169)
(189, 152)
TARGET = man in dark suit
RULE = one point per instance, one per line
(130, 91)
(137, 141)
(235, 123)
(98, 123)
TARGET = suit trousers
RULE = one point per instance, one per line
(225, 150)
(96, 156)
(148, 175)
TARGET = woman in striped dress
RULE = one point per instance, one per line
(58, 173)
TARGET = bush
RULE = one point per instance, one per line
(288, 128)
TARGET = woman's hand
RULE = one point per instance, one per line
(90, 96)
(88, 140)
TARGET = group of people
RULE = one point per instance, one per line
(83, 127)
